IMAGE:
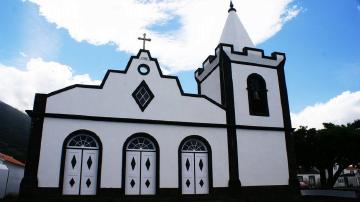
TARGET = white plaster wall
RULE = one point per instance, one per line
(115, 99)
(240, 74)
(211, 86)
(262, 158)
(16, 173)
(113, 135)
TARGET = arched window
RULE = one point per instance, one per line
(142, 143)
(194, 145)
(82, 140)
(257, 95)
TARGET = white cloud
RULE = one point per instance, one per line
(341, 109)
(121, 22)
(18, 87)
(23, 54)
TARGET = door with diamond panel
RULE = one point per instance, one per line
(71, 182)
(148, 173)
(194, 168)
(89, 172)
(201, 173)
(132, 178)
(81, 166)
(188, 181)
(140, 171)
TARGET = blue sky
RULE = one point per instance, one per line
(322, 44)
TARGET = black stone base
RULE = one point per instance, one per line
(243, 194)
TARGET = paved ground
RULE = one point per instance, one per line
(303, 199)
(328, 199)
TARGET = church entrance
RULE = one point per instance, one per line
(81, 166)
(194, 167)
(140, 172)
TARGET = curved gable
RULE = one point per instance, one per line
(116, 96)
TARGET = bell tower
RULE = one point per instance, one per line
(251, 86)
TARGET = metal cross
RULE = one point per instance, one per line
(144, 39)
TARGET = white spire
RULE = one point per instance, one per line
(234, 32)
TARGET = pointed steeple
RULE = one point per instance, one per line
(234, 32)
(231, 7)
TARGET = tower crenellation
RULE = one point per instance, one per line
(248, 55)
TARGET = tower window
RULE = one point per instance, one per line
(257, 95)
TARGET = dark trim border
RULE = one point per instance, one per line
(63, 155)
(227, 99)
(29, 183)
(289, 139)
(158, 122)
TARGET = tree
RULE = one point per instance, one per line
(325, 148)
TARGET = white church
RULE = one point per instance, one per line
(138, 135)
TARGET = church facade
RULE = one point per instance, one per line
(138, 134)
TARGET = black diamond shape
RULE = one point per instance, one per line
(133, 163)
(72, 182)
(132, 183)
(143, 95)
(89, 162)
(187, 164)
(147, 183)
(201, 183)
(88, 182)
(147, 164)
(201, 165)
(73, 162)
(187, 183)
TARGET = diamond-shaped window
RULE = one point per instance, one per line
(143, 95)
